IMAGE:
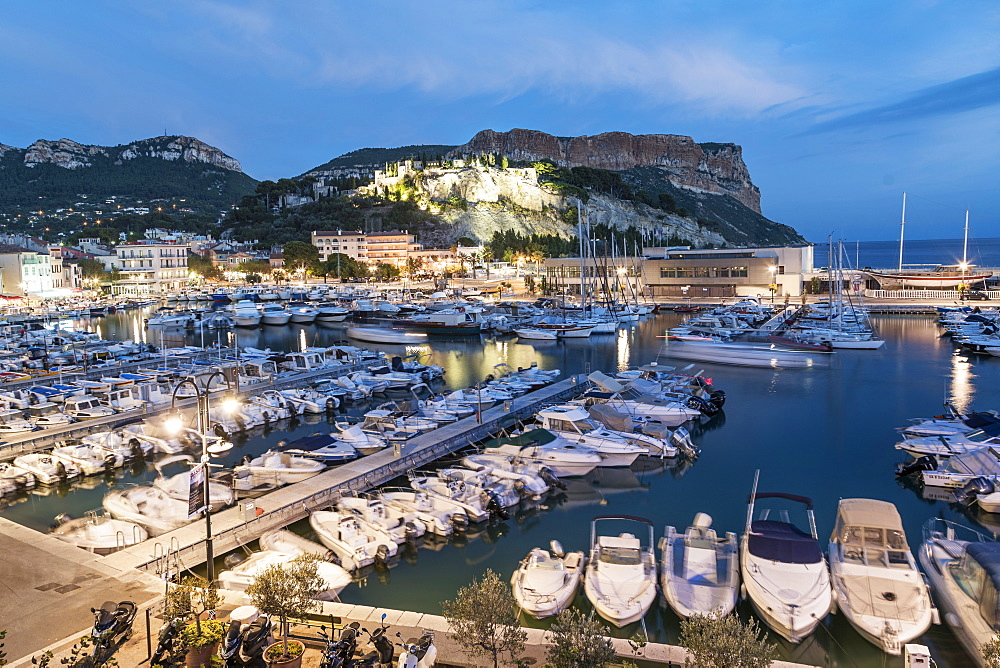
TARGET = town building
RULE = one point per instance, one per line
(347, 242)
(66, 276)
(385, 247)
(25, 272)
(150, 268)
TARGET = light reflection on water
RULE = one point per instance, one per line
(826, 432)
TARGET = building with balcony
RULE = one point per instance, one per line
(25, 272)
(150, 268)
(385, 247)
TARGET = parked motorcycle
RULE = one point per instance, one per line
(169, 650)
(244, 644)
(420, 653)
(112, 627)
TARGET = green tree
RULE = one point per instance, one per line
(299, 255)
(204, 267)
(91, 268)
(991, 652)
(386, 272)
(484, 618)
(725, 642)
(287, 591)
(578, 641)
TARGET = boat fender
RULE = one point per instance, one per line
(557, 548)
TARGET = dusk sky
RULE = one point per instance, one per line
(839, 107)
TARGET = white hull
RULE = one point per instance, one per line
(246, 320)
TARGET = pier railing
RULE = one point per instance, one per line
(924, 294)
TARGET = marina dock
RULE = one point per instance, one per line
(235, 526)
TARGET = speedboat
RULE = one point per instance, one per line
(529, 484)
(402, 526)
(242, 575)
(321, 447)
(48, 470)
(621, 572)
(963, 567)
(440, 516)
(784, 572)
(12, 422)
(303, 314)
(546, 581)
(501, 491)
(384, 335)
(91, 460)
(699, 571)
(875, 578)
(469, 498)
(542, 447)
(15, 479)
(282, 467)
(99, 534)
(575, 423)
(246, 313)
(274, 314)
(86, 407)
(355, 543)
(147, 506)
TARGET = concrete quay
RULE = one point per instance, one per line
(232, 528)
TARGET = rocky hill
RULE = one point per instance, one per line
(160, 167)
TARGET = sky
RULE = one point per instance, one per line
(839, 107)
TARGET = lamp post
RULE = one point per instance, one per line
(175, 426)
(773, 286)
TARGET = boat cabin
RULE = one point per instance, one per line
(305, 361)
(871, 534)
(978, 574)
(572, 419)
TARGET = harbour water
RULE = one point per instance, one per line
(826, 432)
(885, 254)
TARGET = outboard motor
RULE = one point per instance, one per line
(135, 448)
(925, 463)
(717, 397)
(706, 407)
(494, 506)
(220, 431)
(397, 363)
(550, 478)
(459, 521)
(973, 489)
(680, 438)
(60, 520)
(382, 555)
(411, 530)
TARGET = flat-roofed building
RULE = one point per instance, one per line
(351, 243)
(150, 268)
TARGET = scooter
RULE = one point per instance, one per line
(340, 653)
(168, 648)
(112, 627)
(384, 650)
(245, 645)
(419, 654)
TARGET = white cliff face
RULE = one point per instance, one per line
(69, 154)
(4, 149)
(518, 187)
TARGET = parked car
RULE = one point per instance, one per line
(975, 295)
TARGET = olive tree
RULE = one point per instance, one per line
(725, 642)
(483, 618)
(578, 641)
(991, 652)
(287, 591)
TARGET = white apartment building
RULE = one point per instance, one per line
(150, 268)
(25, 272)
(378, 247)
(350, 243)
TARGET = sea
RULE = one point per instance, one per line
(826, 432)
(919, 252)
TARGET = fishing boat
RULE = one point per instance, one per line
(784, 573)
(620, 579)
(546, 581)
(875, 579)
(699, 571)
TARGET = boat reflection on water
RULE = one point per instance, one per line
(593, 488)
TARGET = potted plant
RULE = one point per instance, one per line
(202, 640)
(286, 591)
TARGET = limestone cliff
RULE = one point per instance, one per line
(69, 154)
(712, 167)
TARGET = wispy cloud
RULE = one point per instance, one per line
(976, 91)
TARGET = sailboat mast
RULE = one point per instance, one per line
(965, 243)
(583, 259)
(902, 227)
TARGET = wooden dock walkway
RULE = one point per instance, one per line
(232, 528)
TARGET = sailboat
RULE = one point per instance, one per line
(944, 278)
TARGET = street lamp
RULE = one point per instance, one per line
(175, 425)
(773, 286)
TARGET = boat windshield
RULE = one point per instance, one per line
(621, 556)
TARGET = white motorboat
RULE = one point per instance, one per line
(283, 540)
(15, 478)
(440, 516)
(321, 447)
(48, 470)
(470, 499)
(99, 534)
(356, 543)
(148, 507)
(943, 445)
(246, 313)
(535, 334)
(501, 491)
(282, 467)
(178, 486)
(402, 526)
(12, 422)
(242, 575)
(385, 335)
(331, 313)
(546, 581)
(48, 414)
(86, 407)
(91, 459)
(302, 315)
(274, 314)
(620, 579)
(699, 571)
(309, 400)
(573, 424)
(875, 579)
(529, 484)
(360, 440)
(542, 447)
(739, 354)
(959, 469)
(784, 573)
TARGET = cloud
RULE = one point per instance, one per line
(976, 91)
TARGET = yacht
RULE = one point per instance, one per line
(875, 578)
(620, 578)
(274, 314)
(963, 567)
(242, 575)
(99, 534)
(784, 573)
(546, 581)
(699, 571)
(246, 313)
(355, 543)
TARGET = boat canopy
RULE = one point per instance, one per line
(605, 382)
(981, 419)
(981, 461)
(979, 576)
(782, 541)
(314, 442)
(870, 523)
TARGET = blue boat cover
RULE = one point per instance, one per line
(314, 442)
(782, 541)
(987, 555)
(980, 420)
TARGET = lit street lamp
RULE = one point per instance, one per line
(773, 286)
(176, 425)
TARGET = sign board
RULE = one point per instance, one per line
(196, 491)
(249, 510)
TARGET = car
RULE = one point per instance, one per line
(975, 295)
